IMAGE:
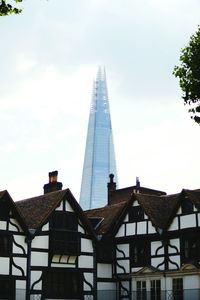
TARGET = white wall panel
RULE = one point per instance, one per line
(174, 243)
(4, 265)
(3, 225)
(41, 242)
(68, 206)
(20, 240)
(21, 263)
(121, 231)
(174, 224)
(104, 270)
(155, 246)
(85, 261)
(86, 245)
(35, 276)
(188, 221)
(124, 248)
(39, 259)
(156, 261)
(151, 228)
(89, 278)
(45, 227)
(130, 229)
(123, 265)
(191, 282)
(15, 224)
(174, 259)
(141, 227)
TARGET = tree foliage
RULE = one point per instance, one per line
(7, 9)
(189, 75)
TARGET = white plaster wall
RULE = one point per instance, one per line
(39, 259)
(104, 270)
(175, 259)
(130, 229)
(68, 206)
(151, 229)
(145, 217)
(59, 265)
(124, 264)
(81, 229)
(135, 203)
(106, 286)
(4, 265)
(86, 245)
(141, 227)
(36, 275)
(188, 221)
(19, 239)
(13, 228)
(41, 242)
(89, 278)
(179, 211)
(20, 284)
(176, 243)
(191, 282)
(85, 261)
(124, 248)
(126, 218)
(135, 269)
(121, 231)
(198, 216)
(174, 224)
(20, 262)
(60, 207)
(20, 294)
(156, 261)
(155, 246)
(3, 225)
(45, 227)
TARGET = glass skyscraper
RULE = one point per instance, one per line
(99, 159)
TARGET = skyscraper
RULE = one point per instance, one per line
(99, 159)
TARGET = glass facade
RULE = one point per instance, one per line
(99, 159)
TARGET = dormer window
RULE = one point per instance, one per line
(65, 239)
(4, 211)
(186, 206)
(136, 213)
(5, 244)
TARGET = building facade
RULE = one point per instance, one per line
(143, 245)
(99, 159)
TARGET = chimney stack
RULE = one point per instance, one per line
(111, 187)
(53, 184)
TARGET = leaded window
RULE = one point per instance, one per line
(136, 213)
(140, 253)
(177, 288)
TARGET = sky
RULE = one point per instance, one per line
(50, 55)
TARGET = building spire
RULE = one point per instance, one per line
(99, 159)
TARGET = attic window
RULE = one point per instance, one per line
(96, 222)
(5, 244)
(64, 221)
(136, 213)
(4, 211)
(186, 206)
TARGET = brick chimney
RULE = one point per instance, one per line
(53, 184)
(111, 187)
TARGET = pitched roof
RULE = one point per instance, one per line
(36, 211)
(194, 196)
(159, 209)
(124, 194)
(110, 215)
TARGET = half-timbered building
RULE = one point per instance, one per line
(155, 242)
(142, 245)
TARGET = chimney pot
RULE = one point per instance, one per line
(53, 184)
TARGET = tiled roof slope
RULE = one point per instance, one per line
(194, 196)
(110, 215)
(121, 195)
(159, 209)
(36, 210)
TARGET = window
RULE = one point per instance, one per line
(64, 221)
(64, 238)
(105, 252)
(155, 290)
(65, 243)
(140, 253)
(5, 244)
(178, 289)
(191, 249)
(62, 284)
(186, 206)
(7, 288)
(4, 211)
(141, 290)
(136, 213)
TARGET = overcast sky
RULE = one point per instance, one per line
(49, 58)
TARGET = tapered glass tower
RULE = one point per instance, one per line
(99, 159)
